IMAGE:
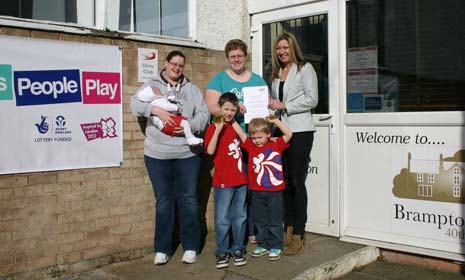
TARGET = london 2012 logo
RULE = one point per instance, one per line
(105, 128)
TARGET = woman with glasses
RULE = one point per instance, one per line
(172, 165)
(232, 80)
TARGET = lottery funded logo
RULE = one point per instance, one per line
(52, 131)
(105, 128)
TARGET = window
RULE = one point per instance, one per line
(430, 178)
(419, 177)
(312, 34)
(456, 171)
(405, 56)
(456, 191)
(456, 180)
(71, 11)
(425, 190)
(158, 17)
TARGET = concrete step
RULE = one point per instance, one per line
(323, 257)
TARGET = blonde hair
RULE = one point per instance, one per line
(259, 125)
(295, 53)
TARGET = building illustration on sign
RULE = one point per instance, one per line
(434, 180)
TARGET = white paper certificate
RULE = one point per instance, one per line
(256, 102)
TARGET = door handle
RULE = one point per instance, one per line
(324, 118)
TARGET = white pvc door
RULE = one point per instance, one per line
(315, 26)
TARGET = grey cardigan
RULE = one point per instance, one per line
(300, 94)
(161, 146)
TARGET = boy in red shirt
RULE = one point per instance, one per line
(229, 182)
(266, 181)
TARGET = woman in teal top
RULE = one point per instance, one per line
(232, 80)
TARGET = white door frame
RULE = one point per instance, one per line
(327, 122)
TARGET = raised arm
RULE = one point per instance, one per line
(238, 129)
(211, 148)
(287, 133)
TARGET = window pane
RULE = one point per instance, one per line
(123, 15)
(419, 55)
(147, 16)
(52, 10)
(312, 35)
(174, 20)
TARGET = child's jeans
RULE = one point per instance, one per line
(230, 211)
(268, 218)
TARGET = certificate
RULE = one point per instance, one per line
(256, 102)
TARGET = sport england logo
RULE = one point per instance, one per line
(47, 87)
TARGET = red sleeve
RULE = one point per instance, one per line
(246, 144)
(280, 145)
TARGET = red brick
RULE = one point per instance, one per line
(69, 237)
(42, 178)
(10, 181)
(121, 210)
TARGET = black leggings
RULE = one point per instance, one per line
(295, 163)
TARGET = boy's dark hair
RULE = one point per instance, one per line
(228, 97)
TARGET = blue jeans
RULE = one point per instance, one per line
(268, 218)
(230, 211)
(175, 180)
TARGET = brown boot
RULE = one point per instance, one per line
(288, 236)
(296, 245)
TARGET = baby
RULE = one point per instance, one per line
(168, 103)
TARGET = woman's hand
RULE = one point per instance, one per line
(276, 105)
(242, 108)
(178, 131)
(163, 115)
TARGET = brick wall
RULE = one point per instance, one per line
(56, 223)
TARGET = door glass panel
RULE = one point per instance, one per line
(405, 56)
(312, 34)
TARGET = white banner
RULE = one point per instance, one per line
(406, 185)
(60, 105)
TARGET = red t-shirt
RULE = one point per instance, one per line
(265, 165)
(229, 169)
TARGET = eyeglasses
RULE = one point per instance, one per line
(238, 56)
(176, 65)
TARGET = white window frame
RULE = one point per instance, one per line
(456, 180)
(99, 22)
(430, 178)
(456, 191)
(425, 190)
(419, 177)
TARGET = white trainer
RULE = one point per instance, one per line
(189, 256)
(160, 258)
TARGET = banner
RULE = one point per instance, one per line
(60, 105)
(406, 185)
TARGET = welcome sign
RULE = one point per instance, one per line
(60, 105)
(406, 185)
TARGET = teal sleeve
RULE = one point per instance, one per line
(215, 82)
